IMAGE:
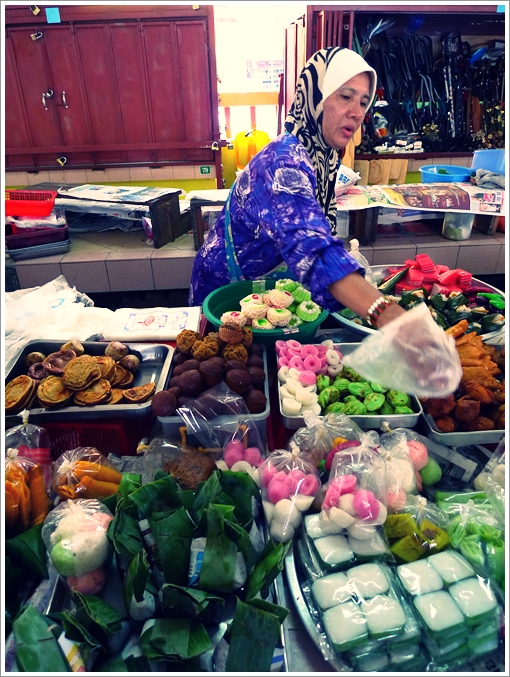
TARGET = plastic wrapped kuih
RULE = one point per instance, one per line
(356, 492)
(26, 498)
(185, 463)
(84, 473)
(75, 536)
(400, 469)
(32, 442)
(289, 483)
(476, 533)
(417, 530)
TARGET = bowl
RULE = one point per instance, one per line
(227, 298)
(454, 174)
(492, 159)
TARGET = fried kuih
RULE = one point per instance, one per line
(81, 372)
(99, 392)
(107, 366)
(122, 378)
(52, 392)
(140, 393)
(19, 392)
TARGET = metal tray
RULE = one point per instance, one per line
(366, 421)
(155, 360)
(380, 273)
(461, 439)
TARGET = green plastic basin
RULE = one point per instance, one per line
(227, 298)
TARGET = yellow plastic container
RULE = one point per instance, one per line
(248, 144)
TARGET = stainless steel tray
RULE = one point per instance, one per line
(461, 439)
(367, 421)
(38, 251)
(155, 360)
(380, 273)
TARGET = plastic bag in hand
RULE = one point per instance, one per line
(411, 353)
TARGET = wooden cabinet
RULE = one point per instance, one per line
(109, 86)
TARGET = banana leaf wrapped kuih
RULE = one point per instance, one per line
(187, 589)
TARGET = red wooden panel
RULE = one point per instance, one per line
(66, 72)
(196, 86)
(35, 79)
(127, 41)
(164, 87)
(97, 62)
(16, 131)
(290, 67)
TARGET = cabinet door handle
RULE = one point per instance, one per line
(64, 100)
(46, 95)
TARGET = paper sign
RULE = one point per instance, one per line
(53, 15)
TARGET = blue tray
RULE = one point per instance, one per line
(50, 249)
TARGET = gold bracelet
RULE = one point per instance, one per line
(377, 308)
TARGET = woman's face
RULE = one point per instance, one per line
(344, 110)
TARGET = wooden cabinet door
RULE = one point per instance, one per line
(30, 69)
(16, 128)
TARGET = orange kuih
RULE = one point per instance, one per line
(84, 473)
(26, 498)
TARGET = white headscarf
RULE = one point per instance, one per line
(326, 71)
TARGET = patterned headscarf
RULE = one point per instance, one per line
(326, 71)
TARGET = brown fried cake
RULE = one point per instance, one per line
(81, 372)
(52, 392)
(140, 393)
(19, 392)
(98, 393)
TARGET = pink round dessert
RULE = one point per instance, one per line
(331, 497)
(266, 472)
(297, 363)
(278, 488)
(312, 363)
(279, 344)
(309, 350)
(365, 504)
(396, 500)
(309, 486)
(283, 362)
(345, 483)
(418, 453)
(292, 344)
(307, 378)
(251, 455)
(233, 452)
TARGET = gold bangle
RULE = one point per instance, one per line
(377, 308)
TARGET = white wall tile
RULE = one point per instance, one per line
(75, 176)
(184, 172)
(97, 177)
(118, 174)
(162, 173)
(140, 173)
(39, 177)
(15, 179)
(57, 175)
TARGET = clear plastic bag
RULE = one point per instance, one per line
(410, 444)
(495, 468)
(478, 535)
(418, 529)
(56, 219)
(412, 354)
(220, 420)
(26, 497)
(358, 256)
(187, 465)
(400, 472)
(75, 536)
(356, 492)
(289, 483)
(84, 473)
(323, 433)
(32, 442)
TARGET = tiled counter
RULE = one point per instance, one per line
(114, 261)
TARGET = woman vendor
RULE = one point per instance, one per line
(282, 209)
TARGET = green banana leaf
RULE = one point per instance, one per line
(130, 482)
(27, 551)
(251, 623)
(159, 495)
(219, 562)
(175, 639)
(37, 649)
(136, 578)
(173, 535)
(269, 564)
(181, 601)
(124, 530)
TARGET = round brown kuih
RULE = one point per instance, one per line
(185, 366)
(255, 361)
(255, 400)
(190, 382)
(185, 340)
(257, 376)
(176, 391)
(184, 400)
(179, 357)
(256, 349)
(164, 403)
(238, 380)
(234, 364)
(211, 372)
(231, 333)
(174, 382)
(248, 337)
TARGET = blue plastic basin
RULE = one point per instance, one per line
(430, 174)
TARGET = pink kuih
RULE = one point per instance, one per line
(252, 456)
(294, 345)
(307, 378)
(279, 344)
(233, 452)
(396, 500)
(309, 486)
(346, 484)
(309, 350)
(283, 362)
(297, 363)
(279, 487)
(331, 497)
(312, 363)
(267, 472)
(418, 453)
(295, 477)
(365, 504)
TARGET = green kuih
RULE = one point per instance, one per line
(456, 300)
(438, 301)
(323, 381)
(386, 409)
(374, 401)
(397, 398)
(328, 396)
(335, 408)
(491, 323)
(350, 398)
(341, 384)
(355, 409)
(403, 410)
(378, 388)
(351, 374)
(360, 388)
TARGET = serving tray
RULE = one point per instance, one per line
(155, 360)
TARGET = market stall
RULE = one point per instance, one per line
(272, 490)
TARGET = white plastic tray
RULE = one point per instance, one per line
(380, 273)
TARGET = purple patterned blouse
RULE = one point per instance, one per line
(275, 218)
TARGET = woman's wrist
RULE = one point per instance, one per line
(391, 312)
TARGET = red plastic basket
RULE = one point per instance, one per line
(29, 202)
(120, 437)
(36, 237)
